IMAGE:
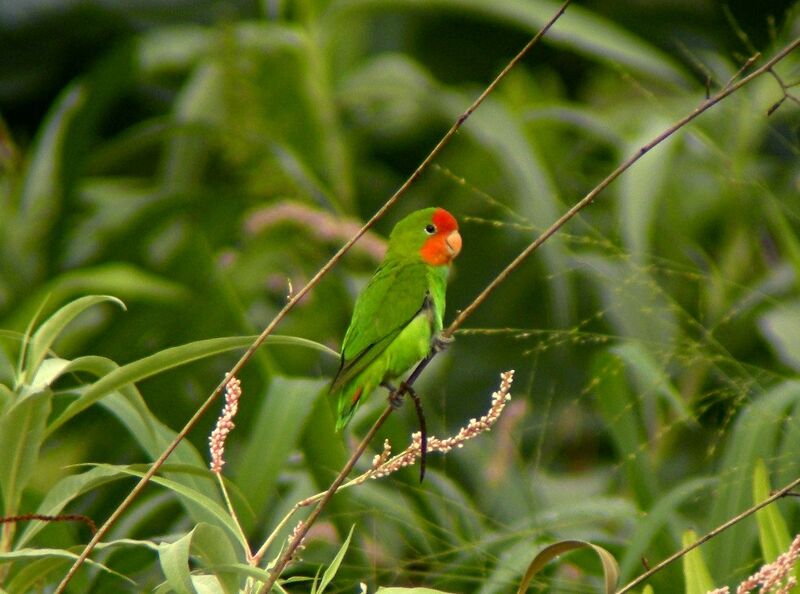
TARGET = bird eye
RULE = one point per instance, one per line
(430, 229)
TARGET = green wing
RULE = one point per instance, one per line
(391, 300)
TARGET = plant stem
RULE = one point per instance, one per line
(232, 512)
(516, 262)
(708, 536)
(624, 166)
(101, 532)
(301, 533)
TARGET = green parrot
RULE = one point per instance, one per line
(400, 311)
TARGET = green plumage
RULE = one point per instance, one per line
(394, 318)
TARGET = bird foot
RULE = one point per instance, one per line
(440, 342)
(395, 395)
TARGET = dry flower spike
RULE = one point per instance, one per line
(772, 578)
(233, 390)
(384, 466)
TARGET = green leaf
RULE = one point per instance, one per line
(282, 416)
(642, 187)
(781, 327)
(21, 436)
(182, 47)
(64, 492)
(168, 359)
(619, 409)
(772, 531)
(636, 304)
(174, 560)
(41, 194)
(211, 546)
(785, 235)
(48, 332)
(132, 411)
(663, 514)
(49, 371)
(579, 30)
(755, 434)
(652, 377)
(610, 567)
(51, 553)
(218, 512)
(7, 396)
(198, 108)
(28, 576)
(697, 579)
(511, 561)
(124, 280)
(330, 572)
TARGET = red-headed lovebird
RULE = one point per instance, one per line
(400, 311)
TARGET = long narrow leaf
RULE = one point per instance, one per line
(21, 436)
(169, 359)
(697, 579)
(610, 567)
(330, 572)
(46, 334)
(772, 531)
(282, 415)
(579, 30)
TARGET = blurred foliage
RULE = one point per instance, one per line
(198, 161)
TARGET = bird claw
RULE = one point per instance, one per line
(395, 395)
(440, 342)
(395, 399)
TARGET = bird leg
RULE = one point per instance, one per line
(395, 395)
(423, 431)
(395, 400)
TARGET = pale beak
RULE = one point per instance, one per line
(453, 241)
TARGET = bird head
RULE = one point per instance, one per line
(430, 234)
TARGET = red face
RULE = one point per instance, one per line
(444, 242)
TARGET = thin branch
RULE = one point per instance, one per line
(384, 465)
(300, 534)
(516, 262)
(735, 520)
(159, 462)
(583, 203)
(47, 518)
(786, 92)
(589, 198)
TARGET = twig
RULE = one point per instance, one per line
(589, 198)
(516, 262)
(735, 520)
(159, 462)
(384, 465)
(786, 93)
(45, 518)
(454, 325)
(295, 542)
(301, 533)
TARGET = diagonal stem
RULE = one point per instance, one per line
(624, 166)
(708, 536)
(159, 462)
(340, 478)
(513, 265)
